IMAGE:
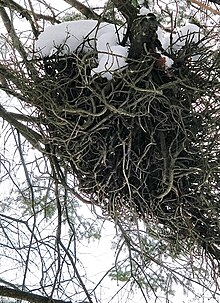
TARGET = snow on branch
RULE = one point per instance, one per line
(86, 36)
(104, 39)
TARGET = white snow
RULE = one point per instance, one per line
(86, 35)
(168, 62)
(114, 59)
(90, 35)
(186, 34)
(144, 11)
(70, 34)
(164, 38)
(189, 33)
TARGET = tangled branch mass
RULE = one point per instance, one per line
(138, 127)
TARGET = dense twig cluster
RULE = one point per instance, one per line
(143, 144)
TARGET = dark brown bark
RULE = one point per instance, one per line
(128, 11)
(30, 297)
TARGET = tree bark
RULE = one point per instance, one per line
(30, 297)
(128, 11)
(83, 9)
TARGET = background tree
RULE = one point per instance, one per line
(138, 146)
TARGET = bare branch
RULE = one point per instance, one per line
(215, 1)
(11, 31)
(83, 9)
(24, 118)
(206, 7)
(32, 136)
(22, 295)
(24, 13)
(51, 19)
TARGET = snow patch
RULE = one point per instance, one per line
(86, 35)
(144, 11)
(114, 59)
(69, 36)
(168, 62)
(190, 33)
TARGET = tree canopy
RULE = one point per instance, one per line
(110, 125)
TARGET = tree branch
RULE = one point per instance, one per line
(128, 11)
(23, 295)
(8, 283)
(28, 13)
(206, 7)
(83, 9)
(24, 13)
(215, 1)
(12, 33)
(32, 136)
(24, 118)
